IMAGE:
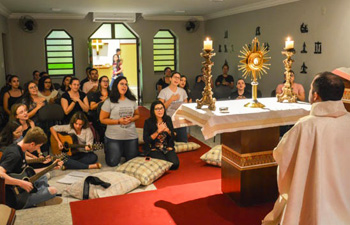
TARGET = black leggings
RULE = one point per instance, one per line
(170, 156)
(81, 160)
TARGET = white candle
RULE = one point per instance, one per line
(289, 44)
(208, 44)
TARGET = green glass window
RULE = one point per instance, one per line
(164, 50)
(59, 53)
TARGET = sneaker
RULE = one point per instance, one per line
(52, 201)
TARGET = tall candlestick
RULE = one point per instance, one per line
(289, 44)
(208, 44)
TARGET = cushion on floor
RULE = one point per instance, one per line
(145, 169)
(185, 147)
(213, 156)
(120, 184)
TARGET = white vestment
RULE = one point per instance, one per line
(314, 169)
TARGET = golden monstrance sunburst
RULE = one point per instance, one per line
(254, 63)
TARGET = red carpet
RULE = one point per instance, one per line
(192, 169)
(190, 195)
(197, 203)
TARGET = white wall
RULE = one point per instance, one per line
(328, 22)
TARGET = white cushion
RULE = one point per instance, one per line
(140, 135)
(120, 184)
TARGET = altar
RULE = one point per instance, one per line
(248, 137)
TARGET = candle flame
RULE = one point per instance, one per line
(288, 38)
(207, 39)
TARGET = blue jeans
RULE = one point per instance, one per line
(115, 149)
(181, 134)
(42, 193)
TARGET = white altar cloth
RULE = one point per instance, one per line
(239, 117)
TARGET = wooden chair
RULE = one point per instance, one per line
(7, 214)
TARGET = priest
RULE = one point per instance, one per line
(313, 161)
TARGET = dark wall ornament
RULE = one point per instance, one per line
(257, 31)
(318, 47)
(226, 34)
(266, 44)
(303, 68)
(225, 48)
(232, 48)
(304, 48)
(303, 28)
(219, 48)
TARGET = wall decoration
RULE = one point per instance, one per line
(304, 48)
(232, 49)
(219, 48)
(318, 47)
(303, 28)
(303, 68)
(266, 44)
(225, 47)
(226, 34)
(257, 31)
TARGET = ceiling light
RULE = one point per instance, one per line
(180, 11)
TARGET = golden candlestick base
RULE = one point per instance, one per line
(254, 103)
(287, 90)
(254, 63)
(207, 94)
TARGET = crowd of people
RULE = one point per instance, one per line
(93, 111)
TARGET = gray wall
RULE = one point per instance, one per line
(3, 30)
(28, 50)
(327, 22)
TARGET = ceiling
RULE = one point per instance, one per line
(202, 8)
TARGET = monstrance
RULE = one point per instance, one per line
(254, 64)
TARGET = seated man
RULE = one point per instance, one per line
(313, 161)
(298, 89)
(241, 92)
(13, 161)
(224, 79)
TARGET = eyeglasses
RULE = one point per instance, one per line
(158, 108)
(176, 77)
(33, 87)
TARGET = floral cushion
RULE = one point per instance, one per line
(213, 156)
(185, 147)
(145, 169)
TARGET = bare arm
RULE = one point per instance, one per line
(136, 116)
(301, 96)
(13, 181)
(104, 118)
(84, 104)
(6, 103)
(67, 108)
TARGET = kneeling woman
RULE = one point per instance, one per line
(78, 126)
(158, 134)
(119, 112)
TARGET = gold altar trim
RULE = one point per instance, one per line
(346, 95)
(248, 161)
